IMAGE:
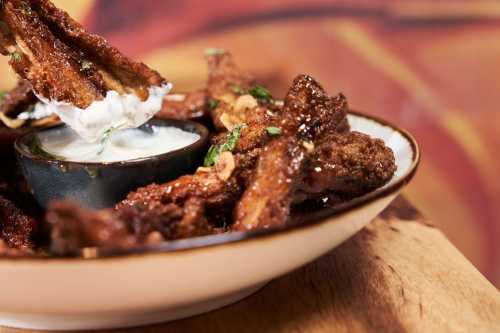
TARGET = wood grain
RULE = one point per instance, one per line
(399, 274)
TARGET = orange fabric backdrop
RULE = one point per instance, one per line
(433, 67)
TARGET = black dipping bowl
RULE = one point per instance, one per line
(100, 185)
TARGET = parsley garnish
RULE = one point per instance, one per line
(213, 51)
(213, 104)
(2, 95)
(105, 138)
(273, 131)
(35, 147)
(16, 56)
(237, 89)
(214, 152)
(261, 93)
(85, 65)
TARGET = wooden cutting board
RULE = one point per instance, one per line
(399, 274)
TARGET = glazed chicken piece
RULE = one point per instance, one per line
(349, 164)
(267, 199)
(61, 60)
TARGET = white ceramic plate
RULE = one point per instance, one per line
(187, 277)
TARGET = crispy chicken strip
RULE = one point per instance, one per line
(266, 202)
(61, 60)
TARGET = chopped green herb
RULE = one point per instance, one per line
(35, 147)
(273, 130)
(211, 156)
(213, 104)
(261, 93)
(214, 152)
(237, 89)
(16, 56)
(104, 139)
(85, 65)
(25, 8)
(107, 134)
(213, 51)
(2, 95)
(232, 139)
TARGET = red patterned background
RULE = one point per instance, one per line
(431, 66)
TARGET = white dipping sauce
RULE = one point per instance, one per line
(115, 111)
(122, 145)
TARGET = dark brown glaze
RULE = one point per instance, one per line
(308, 106)
(348, 164)
(62, 61)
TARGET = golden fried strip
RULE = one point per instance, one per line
(61, 60)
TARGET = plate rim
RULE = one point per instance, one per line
(219, 240)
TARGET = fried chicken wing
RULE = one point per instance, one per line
(61, 60)
(307, 114)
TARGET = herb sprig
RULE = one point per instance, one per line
(213, 104)
(261, 93)
(273, 131)
(216, 150)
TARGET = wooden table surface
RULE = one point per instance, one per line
(399, 274)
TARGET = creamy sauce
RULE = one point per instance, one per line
(114, 112)
(122, 145)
